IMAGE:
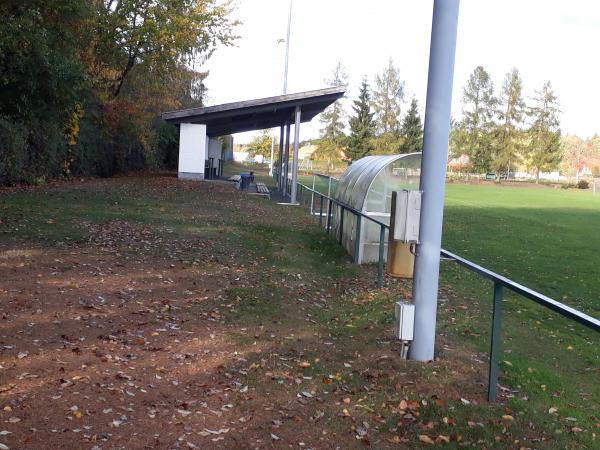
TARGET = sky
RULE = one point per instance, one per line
(546, 40)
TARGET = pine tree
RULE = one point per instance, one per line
(412, 130)
(330, 144)
(509, 133)
(334, 116)
(544, 152)
(362, 126)
(479, 109)
(388, 96)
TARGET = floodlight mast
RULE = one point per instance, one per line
(287, 49)
(433, 176)
(281, 182)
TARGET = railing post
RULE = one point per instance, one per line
(357, 239)
(341, 224)
(312, 196)
(321, 213)
(329, 204)
(495, 343)
(381, 251)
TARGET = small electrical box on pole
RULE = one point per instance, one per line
(404, 232)
(408, 216)
(404, 325)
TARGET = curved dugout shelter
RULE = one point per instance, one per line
(367, 186)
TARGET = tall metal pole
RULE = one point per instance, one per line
(433, 175)
(287, 49)
(298, 115)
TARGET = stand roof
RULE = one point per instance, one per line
(257, 114)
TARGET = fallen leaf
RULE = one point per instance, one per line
(449, 421)
(361, 430)
(426, 439)
(441, 439)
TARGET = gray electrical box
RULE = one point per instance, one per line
(408, 216)
(405, 321)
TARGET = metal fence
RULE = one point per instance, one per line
(500, 282)
(327, 203)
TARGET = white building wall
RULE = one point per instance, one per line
(553, 176)
(240, 156)
(192, 151)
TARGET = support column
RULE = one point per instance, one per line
(192, 151)
(280, 159)
(433, 176)
(272, 154)
(298, 116)
(286, 159)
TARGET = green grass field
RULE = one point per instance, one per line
(548, 240)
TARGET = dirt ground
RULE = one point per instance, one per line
(189, 325)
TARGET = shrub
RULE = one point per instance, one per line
(13, 151)
(583, 184)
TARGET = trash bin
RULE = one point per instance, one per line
(245, 182)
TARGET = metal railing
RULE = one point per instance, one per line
(343, 208)
(500, 282)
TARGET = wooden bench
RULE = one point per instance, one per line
(261, 188)
(237, 179)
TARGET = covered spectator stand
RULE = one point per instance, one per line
(201, 154)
